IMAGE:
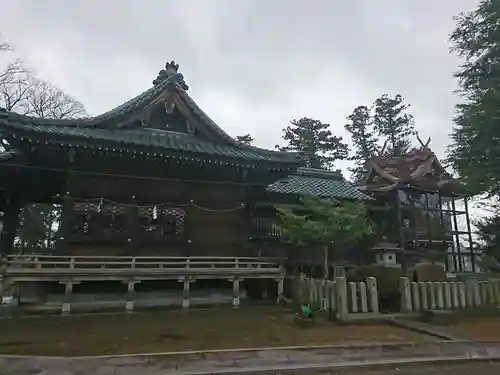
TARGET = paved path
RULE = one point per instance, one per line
(425, 328)
(251, 361)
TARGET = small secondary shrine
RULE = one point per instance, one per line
(416, 209)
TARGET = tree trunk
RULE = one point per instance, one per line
(325, 264)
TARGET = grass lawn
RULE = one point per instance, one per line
(176, 331)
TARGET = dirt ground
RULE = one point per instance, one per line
(487, 328)
(177, 331)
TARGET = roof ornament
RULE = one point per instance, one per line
(382, 150)
(171, 74)
(425, 146)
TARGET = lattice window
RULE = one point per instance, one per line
(82, 212)
(113, 219)
(161, 221)
(97, 219)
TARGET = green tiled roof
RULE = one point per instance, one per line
(326, 184)
(156, 139)
(103, 130)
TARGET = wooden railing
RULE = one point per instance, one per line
(55, 262)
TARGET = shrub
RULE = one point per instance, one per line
(425, 272)
(387, 283)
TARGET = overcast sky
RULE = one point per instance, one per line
(252, 64)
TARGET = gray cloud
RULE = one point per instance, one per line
(252, 65)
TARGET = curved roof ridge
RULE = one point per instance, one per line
(213, 125)
(140, 101)
(124, 108)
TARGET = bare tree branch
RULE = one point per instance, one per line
(12, 71)
(13, 83)
(47, 101)
(4, 46)
(14, 96)
(22, 92)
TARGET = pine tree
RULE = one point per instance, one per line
(360, 127)
(488, 229)
(475, 150)
(391, 121)
(317, 145)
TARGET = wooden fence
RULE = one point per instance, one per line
(419, 296)
(339, 296)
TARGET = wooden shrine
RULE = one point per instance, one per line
(416, 210)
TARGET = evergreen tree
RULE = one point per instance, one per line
(488, 235)
(391, 121)
(364, 141)
(317, 145)
(245, 139)
(475, 149)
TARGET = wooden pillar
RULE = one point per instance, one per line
(444, 239)
(428, 221)
(67, 224)
(236, 292)
(457, 236)
(281, 287)
(10, 223)
(68, 294)
(401, 230)
(469, 235)
(456, 263)
(132, 227)
(248, 223)
(130, 303)
(190, 215)
(185, 291)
